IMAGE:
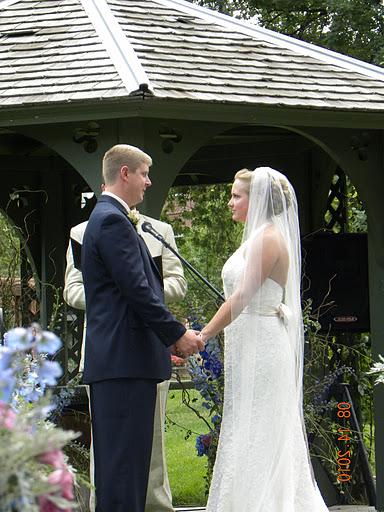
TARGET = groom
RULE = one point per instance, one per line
(129, 333)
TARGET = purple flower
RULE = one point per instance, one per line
(203, 442)
(211, 357)
(194, 323)
(49, 372)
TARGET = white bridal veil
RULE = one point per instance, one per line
(271, 230)
(273, 210)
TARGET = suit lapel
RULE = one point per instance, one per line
(120, 207)
(153, 264)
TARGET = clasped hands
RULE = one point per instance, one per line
(190, 343)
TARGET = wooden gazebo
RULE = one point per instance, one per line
(204, 94)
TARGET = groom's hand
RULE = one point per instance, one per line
(190, 343)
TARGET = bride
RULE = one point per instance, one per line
(263, 462)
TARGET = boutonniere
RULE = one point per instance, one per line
(134, 217)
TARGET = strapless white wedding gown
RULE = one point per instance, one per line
(262, 463)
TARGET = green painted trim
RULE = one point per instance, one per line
(190, 110)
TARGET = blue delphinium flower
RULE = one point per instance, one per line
(7, 384)
(212, 364)
(194, 323)
(203, 442)
(211, 356)
(7, 374)
(29, 388)
(24, 371)
(201, 381)
(5, 358)
(18, 338)
(61, 400)
(47, 343)
(49, 372)
(29, 473)
(199, 446)
(206, 370)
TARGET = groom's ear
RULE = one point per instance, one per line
(124, 172)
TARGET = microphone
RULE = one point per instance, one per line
(148, 228)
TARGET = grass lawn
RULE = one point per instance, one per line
(186, 470)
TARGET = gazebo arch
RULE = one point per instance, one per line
(169, 76)
(41, 194)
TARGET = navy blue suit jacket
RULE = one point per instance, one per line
(129, 329)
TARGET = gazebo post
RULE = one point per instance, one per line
(364, 165)
(376, 293)
(374, 183)
(371, 189)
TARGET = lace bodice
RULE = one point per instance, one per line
(270, 294)
(261, 433)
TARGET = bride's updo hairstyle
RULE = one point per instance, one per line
(280, 197)
(245, 175)
(272, 188)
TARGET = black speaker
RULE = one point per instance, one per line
(337, 265)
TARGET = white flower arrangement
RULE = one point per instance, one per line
(378, 370)
(134, 216)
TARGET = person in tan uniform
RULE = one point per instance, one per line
(159, 497)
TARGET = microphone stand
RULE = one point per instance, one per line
(148, 228)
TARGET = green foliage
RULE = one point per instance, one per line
(206, 236)
(9, 271)
(9, 248)
(330, 361)
(356, 216)
(19, 300)
(351, 27)
(78, 455)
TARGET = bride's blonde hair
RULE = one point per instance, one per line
(245, 175)
(279, 204)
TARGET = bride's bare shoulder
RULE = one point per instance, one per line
(273, 239)
(271, 234)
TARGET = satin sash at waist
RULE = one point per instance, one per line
(282, 311)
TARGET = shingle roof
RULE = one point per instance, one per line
(59, 51)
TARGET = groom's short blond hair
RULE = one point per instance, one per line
(119, 155)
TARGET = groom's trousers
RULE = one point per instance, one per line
(122, 425)
(159, 496)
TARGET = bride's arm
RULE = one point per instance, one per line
(261, 261)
